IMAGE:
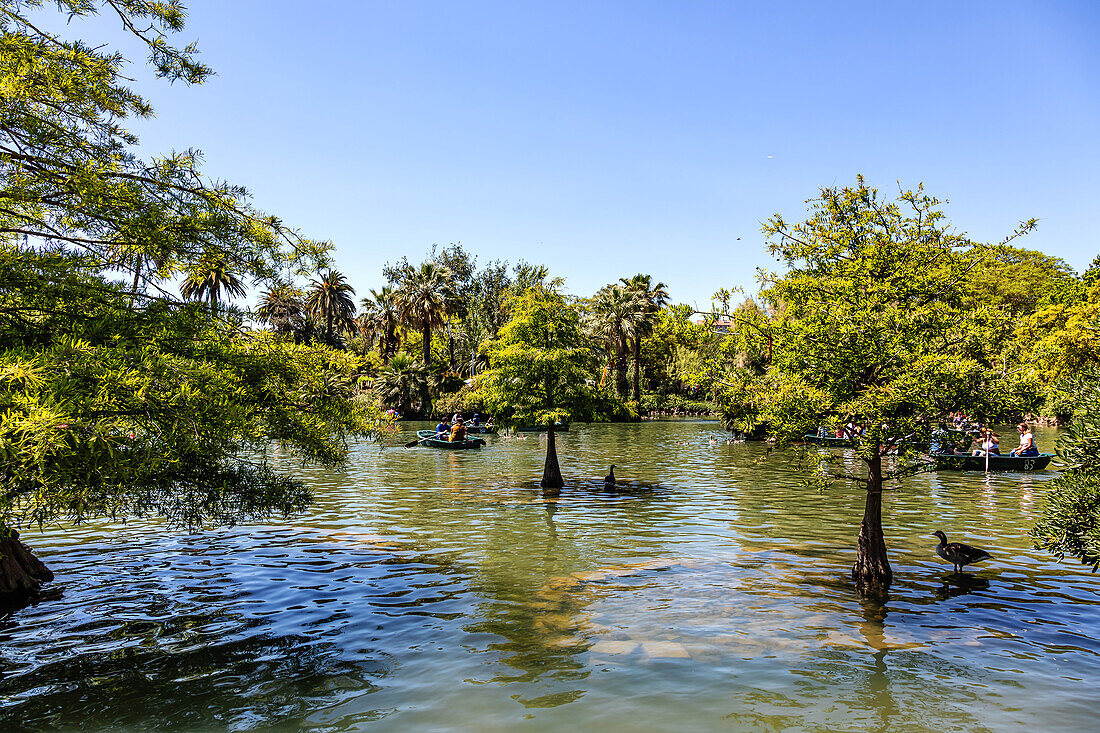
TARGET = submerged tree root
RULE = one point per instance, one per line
(21, 573)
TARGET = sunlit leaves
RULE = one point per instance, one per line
(542, 366)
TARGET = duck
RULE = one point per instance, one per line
(609, 479)
(957, 553)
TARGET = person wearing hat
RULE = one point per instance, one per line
(458, 432)
(475, 421)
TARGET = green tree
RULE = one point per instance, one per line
(111, 408)
(871, 329)
(330, 302)
(69, 175)
(281, 308)
(541, 369)
(1070, 522)
(426, 296)
(380, 319)
(211, 279)
(615, 314)
(403, 383)
(119, 400)
(648, 299)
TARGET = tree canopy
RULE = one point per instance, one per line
(541, 368)
(115, 397)
(872, 337)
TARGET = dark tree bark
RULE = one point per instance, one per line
(551, 472)
(637, 369)
(871, 572)
(621, 383)
(427, 345)
(21, 573)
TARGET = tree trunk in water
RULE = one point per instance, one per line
(551, 472)
(21, 573)
(637, 369)
(427, 346)
(872, 569)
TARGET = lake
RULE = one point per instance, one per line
(430, 589)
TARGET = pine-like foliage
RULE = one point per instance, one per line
(1070, 524)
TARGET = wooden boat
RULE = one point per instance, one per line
(558, 428)
(480, 429)
(996, 463)
(427, 438)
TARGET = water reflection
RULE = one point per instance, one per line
(440, 590)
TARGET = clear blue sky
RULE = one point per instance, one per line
(608, 138)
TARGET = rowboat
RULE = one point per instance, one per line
(558, 428)
(428, 438)
(996, 463)
(480, 429)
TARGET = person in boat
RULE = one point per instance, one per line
(489, 422)
(458, 432)
(474, 421)
(943, 444)
(1027, 442)
(443, 429)
(990, 444)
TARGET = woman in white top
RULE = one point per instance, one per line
(1027, 442)
(990, 444)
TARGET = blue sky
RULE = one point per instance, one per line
(608, 138)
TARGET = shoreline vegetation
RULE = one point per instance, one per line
(119, 398)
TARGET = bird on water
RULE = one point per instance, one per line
(609, 479)
(957, 553)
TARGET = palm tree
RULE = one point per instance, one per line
(380, 319)
(614, 312)
(210, 279)
(403, 382)
(649, 298)
(425, 298)
(330, 300)
(281, 307)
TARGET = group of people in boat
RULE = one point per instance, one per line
(985, 442)
(454, 430)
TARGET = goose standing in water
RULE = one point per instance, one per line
(609, 479)
(957, 553)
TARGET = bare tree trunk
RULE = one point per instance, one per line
(551, 472)
(427, 346)
(637, 368)
(872, 572)
(21, 573)
(621, 387)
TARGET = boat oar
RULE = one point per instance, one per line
(988, 445)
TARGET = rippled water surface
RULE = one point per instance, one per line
(438, 590)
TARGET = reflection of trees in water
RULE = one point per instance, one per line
(534, 562)
(539, 606)
(197, 683)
